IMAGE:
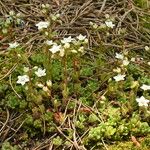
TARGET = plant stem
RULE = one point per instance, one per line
(76, 65)
(48, 65)
(65, 90)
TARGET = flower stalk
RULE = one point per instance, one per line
(65, 89)
(76, 75)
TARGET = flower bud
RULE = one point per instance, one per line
(45, 89)
(134, 84)
(67, 45)
(103, 97)
(73, 51)
(49, 83)
(11, 13)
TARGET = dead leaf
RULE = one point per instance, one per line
(58, 116)
(86, 110)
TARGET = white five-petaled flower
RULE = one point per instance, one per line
(49, 42)
(109, 24)
(142, 101)
(145, 87)
(42, 25)
(67, 40)
(119, 56)
(81, 37)
(119, 77)
(22, 79)
(13, 45)
(40, 72)
(55, 48)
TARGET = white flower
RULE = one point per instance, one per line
(119, 56)
(142, 101)
(13, 45)
(109, 24)
(81, 37)
(49, 42)
(145, 87)
(148, 63)
(26, 69)
(62, 53)
(119, 77)
(40, 72)
(22, 79)
(67, 40)
(125, 62)
(49, 83)
(55, 48)
(147, 48)
(42, 25)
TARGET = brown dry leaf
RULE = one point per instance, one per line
(134, 140)
(86, 110)
(58, 116)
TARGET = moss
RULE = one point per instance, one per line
(142, 3)
(129, 145)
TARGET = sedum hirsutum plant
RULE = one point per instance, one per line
(73, 93)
